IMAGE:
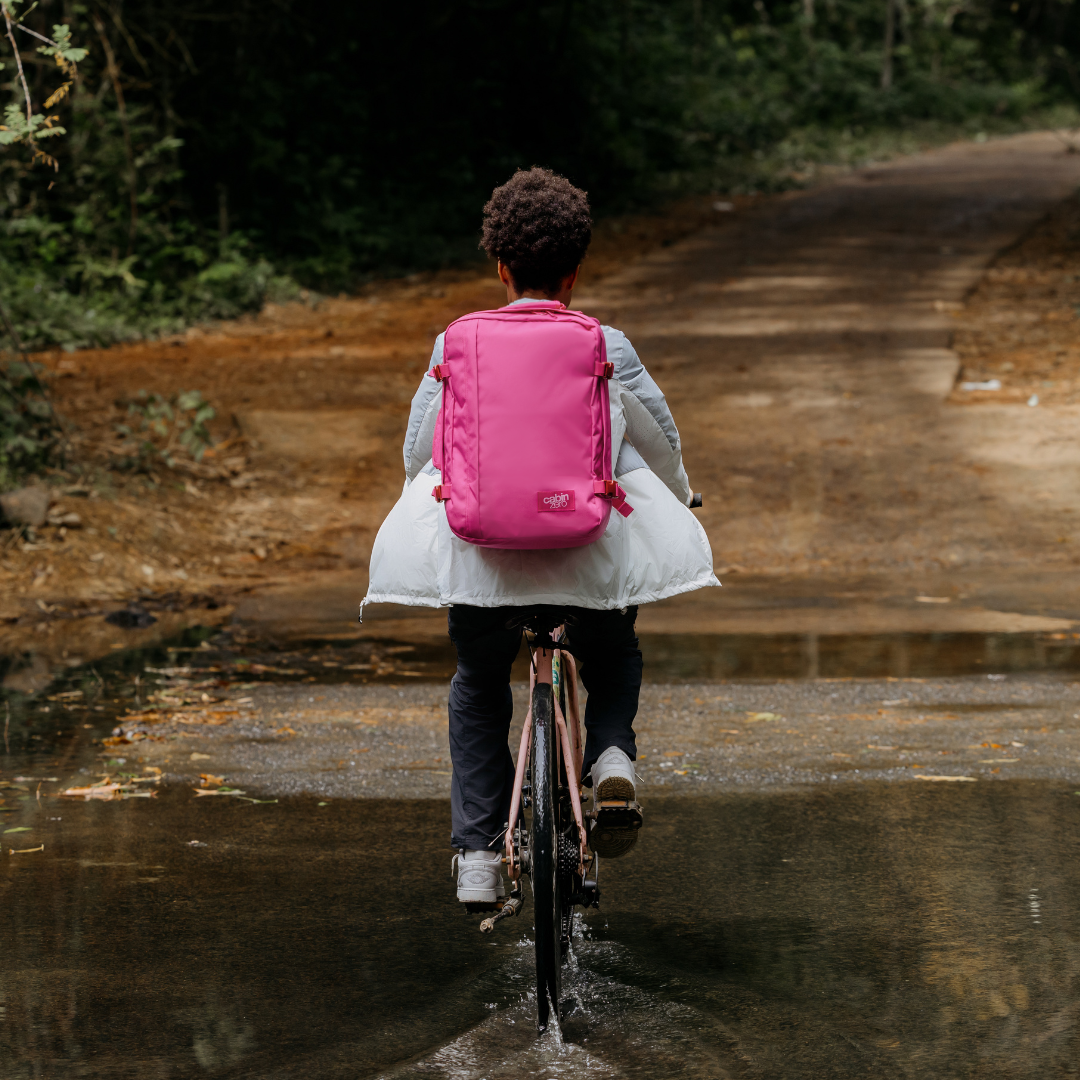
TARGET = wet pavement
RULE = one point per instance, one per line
(887, 930)
(347, 719)
(806, 900)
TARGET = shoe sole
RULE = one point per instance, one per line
(616, 787)
(479, 896)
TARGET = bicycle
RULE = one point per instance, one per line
(553, 849)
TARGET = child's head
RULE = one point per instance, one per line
(539, 226)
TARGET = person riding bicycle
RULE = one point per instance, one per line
(539, 226)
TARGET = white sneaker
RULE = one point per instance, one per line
(615, 829)
(613, 775)
(479, 876)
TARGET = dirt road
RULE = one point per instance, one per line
(873, 868)
(804, 345)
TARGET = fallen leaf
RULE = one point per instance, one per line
(20, 828)
(285, 731)
(675, 753)
(200, 757)
(25, 851)
(216, 791)
(999, 761)
(836, 753)
(754, 716)
(210, 778)
(98, 791)
(969, 779)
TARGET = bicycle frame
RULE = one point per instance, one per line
(554, 667)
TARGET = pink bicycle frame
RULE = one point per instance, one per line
(569, 727)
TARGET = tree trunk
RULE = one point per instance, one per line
(890, 35)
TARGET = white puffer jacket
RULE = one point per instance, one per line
(660, 550)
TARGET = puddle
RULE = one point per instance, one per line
(696, 657)
(237, 658)
(42, 707)
(887, 931)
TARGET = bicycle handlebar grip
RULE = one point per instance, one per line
(695, 502)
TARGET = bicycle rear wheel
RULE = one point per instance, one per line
(544, 853)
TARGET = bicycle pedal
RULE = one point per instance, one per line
(618, 814)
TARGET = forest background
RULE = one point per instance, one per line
(222, 152)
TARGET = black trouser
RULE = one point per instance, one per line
(481, 706)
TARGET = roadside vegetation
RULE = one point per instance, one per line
(216, 155)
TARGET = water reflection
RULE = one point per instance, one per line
(883, 930)
(674, 657)
(236, 657)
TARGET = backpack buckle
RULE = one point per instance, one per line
(603, 369)
(440, 372)
(609, 489)
(441, 492)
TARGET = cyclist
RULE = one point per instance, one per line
(538, 227)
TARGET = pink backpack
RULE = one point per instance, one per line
(523, 438)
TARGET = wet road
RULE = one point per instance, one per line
(877, 930)
(799, 905)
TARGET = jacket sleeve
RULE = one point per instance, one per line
(650, 427)
(422, 416)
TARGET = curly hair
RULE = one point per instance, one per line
(540, 226)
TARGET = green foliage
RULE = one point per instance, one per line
(360, 168)
(58, 293)
(216, 153)
(160, 429)
(22, 125)
(62, 51)
(30, 434)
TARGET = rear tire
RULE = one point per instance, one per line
(544, 852)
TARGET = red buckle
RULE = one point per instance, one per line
(603, 369)
(440, 372)
(440, 492)
(609, 489)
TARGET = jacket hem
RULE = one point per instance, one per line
(568, 599)
(405, 601)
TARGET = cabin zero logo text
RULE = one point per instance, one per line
(554, 500)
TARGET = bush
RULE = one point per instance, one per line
(30, 432)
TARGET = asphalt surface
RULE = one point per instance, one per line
(347, 741)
